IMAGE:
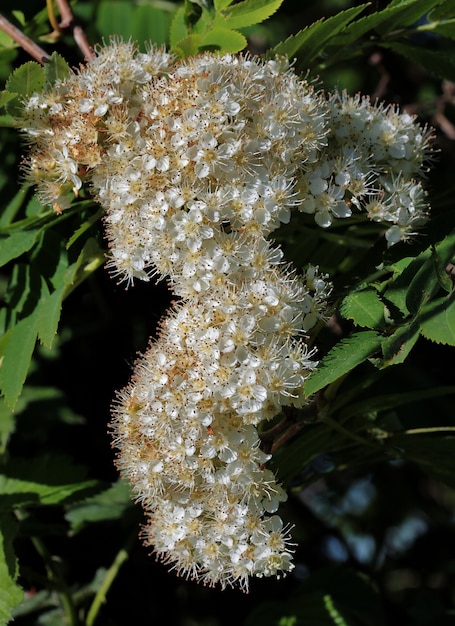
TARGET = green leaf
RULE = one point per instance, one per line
(24, 81)
(401, 13)
(445, 10)
(364, 307)
(222, 4)
(45, 480)
(15, 244)
(437, 320)
(312, 39)
(388, 401)
(397, 347)
(7, 425)
(56, 69)
(11, 595)
(224, 40)
(107, 505)
(188, 46)
(342, 358)
(114, 17)
(248, 13)
(439, 64)
(178, 30)
(151, 23)
(16, 349)
(430, 276)
(433, 453)
(5, 97)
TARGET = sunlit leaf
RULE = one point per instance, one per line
(342, 358)
(249, 12)
(364, 307)
(437, 320)
(310, 41)
(107, 505)
(224, 40)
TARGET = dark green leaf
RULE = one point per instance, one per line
(438, 63)
(16, 349)
(15, 244)
(342, 358)
(435, 454)
(107, 505)
(44, 480)
(56, 69)
(401, 13)
(388, 401)
(10, 594)
(312, 39)
(443, 11)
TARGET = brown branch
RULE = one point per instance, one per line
(24, 42)
(66, 15)
(67, 22)
(294, 420)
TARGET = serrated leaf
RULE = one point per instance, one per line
(7, 425)
(438, 63)
(427, 280)
(437, 320)
(16, 349)
(312, 39)
(401, 13)
(222, 4)
(224, 40)
(388, 401)
(434, 454)
(397, 347)
(5, 97)
(444, 10)
(107, 505)
(248, 13)
(56, 69)
(178, 30)
(11, 594)
(45, 480)
(189, 46)
(15, 244)
(342, 358)
(364, 307)
(24, 81)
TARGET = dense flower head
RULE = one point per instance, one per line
(196, 162)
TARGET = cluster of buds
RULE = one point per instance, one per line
(196, 162)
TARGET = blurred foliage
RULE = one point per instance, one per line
(370, 479)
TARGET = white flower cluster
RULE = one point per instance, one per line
(196, 162)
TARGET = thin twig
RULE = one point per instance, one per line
(109, 578)
(24, 42)
(67, 21)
